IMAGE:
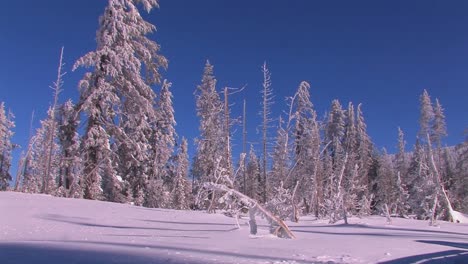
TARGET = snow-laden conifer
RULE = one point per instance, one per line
(118, 100)
(181, 189)
(253, 175)
(70, 158)
(6, 146)
(210, 146)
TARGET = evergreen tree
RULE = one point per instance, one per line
(6, 146)
(460, 188)
(119, 101)
(45, 158)
(363, 160)
(307, 150)
(70, 158)
(439, 128)
(280, 161)
(253, 176)
(210, 144)
(162, 147)
(386, 183)
(181, 189)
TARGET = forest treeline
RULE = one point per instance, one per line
(128, 151)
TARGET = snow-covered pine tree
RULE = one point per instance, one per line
(119, 101)
(351, 182)
(181, 189)
(70, 158)
(209, 144)
(253, 176)
(281, 159)
(386, 183)
(165, 132)
(421, 184)
(439, 128)
(307, 150)
(400, 157)
(401, 169)
(45, 158)
(6, 146)
(363, 160)
(432, 126)
(334, 133)
(460, 188)
(426, 116)
(163, 137)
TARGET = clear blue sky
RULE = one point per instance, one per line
(380, 53)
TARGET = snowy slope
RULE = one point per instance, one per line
(44, 229)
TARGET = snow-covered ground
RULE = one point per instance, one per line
(44, 229)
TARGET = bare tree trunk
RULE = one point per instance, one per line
(50, 140)
(387, 214)
(244, 136)
(227, 133)
(294, 206)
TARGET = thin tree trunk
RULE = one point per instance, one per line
(50, 140)
(244, 136)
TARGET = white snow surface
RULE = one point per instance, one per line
(43, 229)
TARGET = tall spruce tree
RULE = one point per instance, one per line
(209, 144)
(119, 102)
(70, 158)
(6, 146)
(181, 189)
(162, 143)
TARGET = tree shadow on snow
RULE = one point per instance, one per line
(21, 253)
(184, 223)
(357, 226)
(445, 243)
(97, 252)
(64, 219)
(445, 257)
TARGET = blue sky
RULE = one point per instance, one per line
(379, 53)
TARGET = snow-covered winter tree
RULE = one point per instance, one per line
(386, 183)
(45, 158)
(70, 158)
(181, 189)
(281, 159)
(253, 176)
(6, 146)
(162, 143)
(306, 159)
(401, 169)
(334, 134)
(119, 102)
(363, 159)
(210, 145)
(461, 180)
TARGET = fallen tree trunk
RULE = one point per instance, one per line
(282, 230)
